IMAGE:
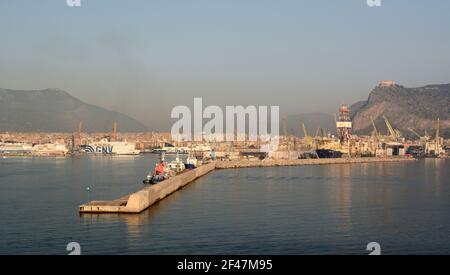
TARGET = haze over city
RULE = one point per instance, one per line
(142, 58)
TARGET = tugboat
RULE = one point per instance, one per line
(165, 170)
(153, 179)
(159, 175)
(191, 163)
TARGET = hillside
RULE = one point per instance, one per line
(54, 110)
(416, 108)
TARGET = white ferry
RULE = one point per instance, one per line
(50, 149)
(111, 148)
(19, 148)
(15, 148)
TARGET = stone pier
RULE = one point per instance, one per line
(141, 200)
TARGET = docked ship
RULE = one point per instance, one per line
(50, 149)
(170, 149)
(28, 149)
(328, 154)
(198, 150)
(110, 148)
(15, 148)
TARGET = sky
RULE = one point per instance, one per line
(144, 57)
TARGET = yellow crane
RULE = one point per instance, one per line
(305, 133)
(395, 134)
(375, 130)
(415, 133)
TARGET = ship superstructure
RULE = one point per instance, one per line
(110, 148)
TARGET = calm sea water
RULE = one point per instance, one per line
(334, 209)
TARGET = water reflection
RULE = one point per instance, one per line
(345, 196)
(281, 210)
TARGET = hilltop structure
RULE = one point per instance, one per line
(387, 84)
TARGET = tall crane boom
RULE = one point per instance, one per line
(305, 133)
(414, 132)
(114, 131)
(335, 123)
(80, 128)
(374, 128)
(285, 130)
(437, 134)
(395, 134)
(389, 126)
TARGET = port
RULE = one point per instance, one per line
(224, 136)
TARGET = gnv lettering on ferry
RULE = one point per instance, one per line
(104, 149)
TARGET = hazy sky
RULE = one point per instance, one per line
(144, 57)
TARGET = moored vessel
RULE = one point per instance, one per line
(110, 148)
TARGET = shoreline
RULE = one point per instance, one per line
(141, 200)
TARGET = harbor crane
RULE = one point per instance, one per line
(80, 128)
(375, 130)
(425, 138)
(415, 133)
(394, 133)
(76, 137)
(435, 147)
(285, 130)
(305, 133)
(322, 132)
(438, 138)
(317, 132)
(114, 131)
(335, 122)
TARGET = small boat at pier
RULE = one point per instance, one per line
(165, 170)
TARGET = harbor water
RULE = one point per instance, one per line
(327, 209)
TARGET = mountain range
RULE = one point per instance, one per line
(55, 110)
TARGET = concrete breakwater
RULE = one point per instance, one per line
(141, 200)
(300, 162)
